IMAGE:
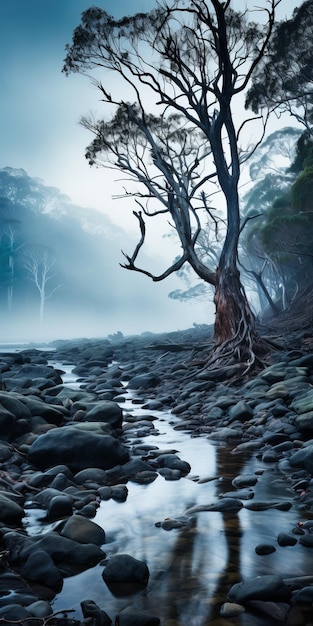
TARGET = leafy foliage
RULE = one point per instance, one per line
(284, 80)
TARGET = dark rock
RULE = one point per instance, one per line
(241, 411)
(172, 461)
(59, 507)
(283, 539)
(144, 381)
(265, 548)
(63, 551)
(224, 505)
(77, 449)
(306, 540)
(245, 480)
(99, 617)
(304, 595)
(125, 568)
(269, 587)
(106, 411)
(14, 614)
(83, 530)
(40, 568)
(10, 511)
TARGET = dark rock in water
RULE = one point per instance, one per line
(180, 522)
(306, 540)
(170, 474)
(125, 568)
(77, 449)
(83, 530)
(224, 505)
(242, 494)
(62, 550)
(265, 548)
(244, 480)
(264, 506)
(283, 539)
(40, 568)
(130, 617)
(145, 477)
(269, 587)
(172, 461)
(304, 595)
(99, 617)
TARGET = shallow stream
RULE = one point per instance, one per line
(191, 569)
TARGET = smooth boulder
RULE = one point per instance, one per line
(77, 449)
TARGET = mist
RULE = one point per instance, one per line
(61, 275)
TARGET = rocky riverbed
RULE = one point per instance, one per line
(64, 450)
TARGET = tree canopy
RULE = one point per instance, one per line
(283, 81)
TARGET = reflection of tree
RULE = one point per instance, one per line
(39, 264)
(205, 560)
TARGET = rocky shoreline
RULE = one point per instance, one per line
(65, 449)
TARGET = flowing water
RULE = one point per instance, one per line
(191, 568)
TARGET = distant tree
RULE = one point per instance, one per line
(194, 58)
(39, 263)
(271, 176)
(284, 80)
(10, 247)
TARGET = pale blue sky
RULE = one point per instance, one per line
(40, 107)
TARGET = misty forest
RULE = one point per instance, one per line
(206, 124)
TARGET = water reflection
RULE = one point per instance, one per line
(192, 568)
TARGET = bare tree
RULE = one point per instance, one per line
(39, 264)
(195, 58)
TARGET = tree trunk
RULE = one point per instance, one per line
(234, 330)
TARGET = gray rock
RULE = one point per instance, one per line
(77, 449)
(99, 617)
(144, 381)
(40, 609)
(304, 403)
(63, 551)
(224, 505)
(304, 595)
(83, 530)
(268, 587)
(172, 461)
(230, 609)
(14, 614)
(40, 568)
(125, 568)
(241, 411)
(264, 548)
(106, 411)
(10, 512)
(59, 507)
(245, 480)
(284, 539)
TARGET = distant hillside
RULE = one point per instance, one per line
(54, 253)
